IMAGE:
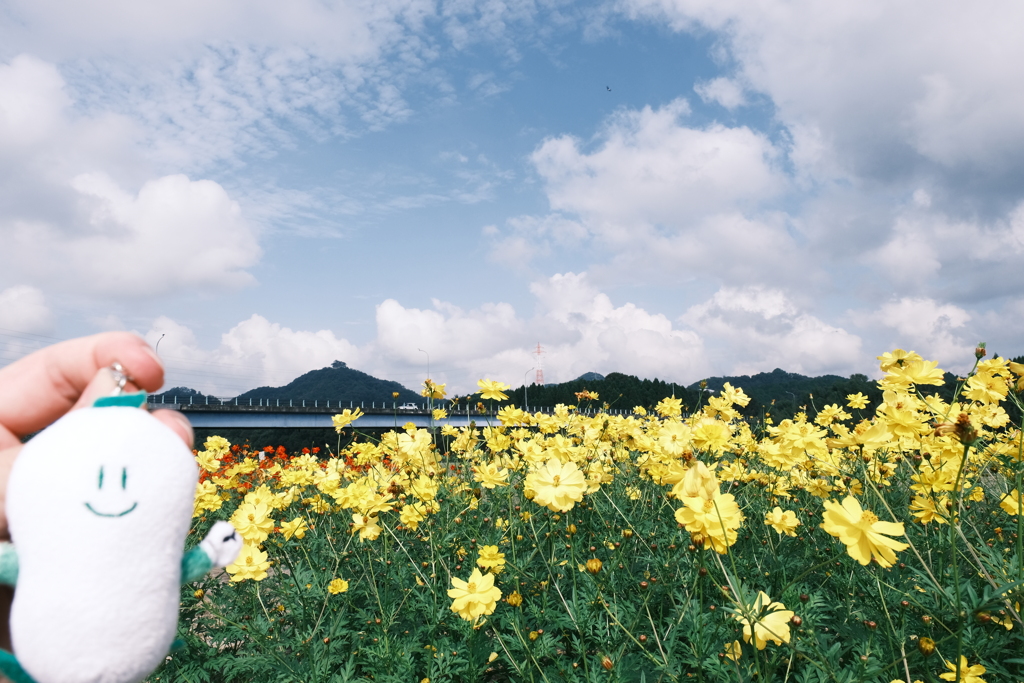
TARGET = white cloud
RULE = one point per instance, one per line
(23, 309)
(664, 201)
(68, 224)
(725, 91)
(649, 169)
(174, 233)
(578, 326)
(255, 352)
(933, 329)
(897, 89)
(756, 329)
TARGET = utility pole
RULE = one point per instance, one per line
(526, 404)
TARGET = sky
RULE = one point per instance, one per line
(666, 188)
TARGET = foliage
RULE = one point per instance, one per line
(663, 550)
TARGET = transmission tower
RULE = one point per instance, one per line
(540, 365)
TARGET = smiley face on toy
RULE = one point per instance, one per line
(99, 506)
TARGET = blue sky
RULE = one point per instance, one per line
(668, 188)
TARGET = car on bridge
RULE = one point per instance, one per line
(408, 406)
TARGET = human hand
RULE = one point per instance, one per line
(40, 388)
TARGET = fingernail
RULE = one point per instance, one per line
(188, 427)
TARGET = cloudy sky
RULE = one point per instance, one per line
(667, 188)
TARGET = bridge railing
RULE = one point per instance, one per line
(327, 404)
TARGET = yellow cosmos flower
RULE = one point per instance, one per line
(1011, 503)
(217, 445)
(857, 401)
(412, 515)
(715, 520)
(337, 586)
(491, 559)
(439, 414)
(557, 486)
(207, 498)
(297, 528)
(253, 522)
(251, 563)
(367, 527)
(432, 390)
(734, 650)
(492, 390)
(864, 535)
(474, 598)
(968, 674)
(490, 475)
(765, 620)
(784, 522)
(669, 407)
(345, 418)
(208, 461)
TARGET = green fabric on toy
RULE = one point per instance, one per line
(99, 505)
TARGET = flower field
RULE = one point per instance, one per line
(836, 545)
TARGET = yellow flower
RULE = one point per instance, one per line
(862, 532)
(345, 418)
(439, 414)
(207, 498)
(968, 674)
(492, 390)
(669, 407)
(765, 620)
(253, 522)
(557, 486)
(412, 515)
(716, 520)
(217, 446)
(431, 390)
(928, 509)
(367, 527)
(490, 475)
(784, 522)
(734, 650)
(337, 586)
(857, 401)
(297, 528)
(208, 461)
(491, 559)
(1011, 503)
(251, 563)
(474, 598)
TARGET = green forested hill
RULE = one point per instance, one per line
(337, 383)
(778, 392)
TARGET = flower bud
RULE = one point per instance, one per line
(795, 620)
(593, 565)
(926, 646)
(606, 662)
(514, 599)
(534, 635)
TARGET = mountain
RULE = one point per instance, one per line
(590, 377)
(337, 383)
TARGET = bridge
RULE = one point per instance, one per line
(259, 413)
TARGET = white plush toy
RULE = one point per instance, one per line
(99, 505)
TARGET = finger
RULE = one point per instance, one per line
(105, 383)
(7, 456)
(178, 423)
(39, 388)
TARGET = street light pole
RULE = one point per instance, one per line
(157, 349)
(526, 404)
